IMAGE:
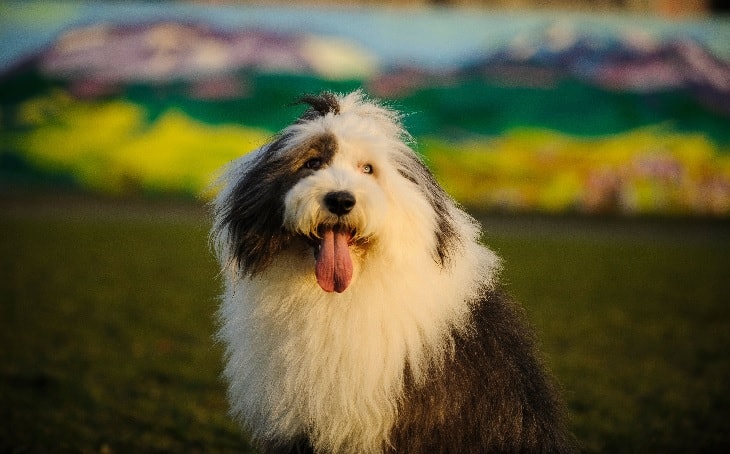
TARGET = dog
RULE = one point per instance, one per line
(360, 312)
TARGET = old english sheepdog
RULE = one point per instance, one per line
(360, 312)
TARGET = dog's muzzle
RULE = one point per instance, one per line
(333, 260)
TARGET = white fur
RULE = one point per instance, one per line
(304, 361)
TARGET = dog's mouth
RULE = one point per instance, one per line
(332, 254)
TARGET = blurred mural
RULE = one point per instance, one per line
(514, 110)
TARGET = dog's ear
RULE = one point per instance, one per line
(412, 168)
(252, 213)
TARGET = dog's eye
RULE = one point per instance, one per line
(367, 168)
(313, 164)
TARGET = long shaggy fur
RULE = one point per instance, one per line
(409, 345)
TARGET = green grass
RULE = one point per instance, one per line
(107, 316)
(107, 323)
(635, 323)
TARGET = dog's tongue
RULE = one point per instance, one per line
(334, 265)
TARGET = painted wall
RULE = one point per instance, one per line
(514, 111)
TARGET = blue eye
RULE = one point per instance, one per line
(313, 164)
(367, 168)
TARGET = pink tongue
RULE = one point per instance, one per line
(334, 265)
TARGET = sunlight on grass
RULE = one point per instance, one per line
(108, 320)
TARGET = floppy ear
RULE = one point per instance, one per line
(251, 213)
(412, 168)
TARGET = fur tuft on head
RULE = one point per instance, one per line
(320, 105)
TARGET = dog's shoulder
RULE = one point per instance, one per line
(494, 371)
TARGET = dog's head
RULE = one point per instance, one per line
(343, 179)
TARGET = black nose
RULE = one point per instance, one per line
(339, 202)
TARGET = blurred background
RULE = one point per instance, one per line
(591, 138)
(612, 107)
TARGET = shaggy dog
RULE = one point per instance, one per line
(360, 312)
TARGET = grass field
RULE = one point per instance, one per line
(107, 315)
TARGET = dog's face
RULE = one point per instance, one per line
(341, 180)
(338, 203)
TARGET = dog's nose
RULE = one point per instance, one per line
(339, 202)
